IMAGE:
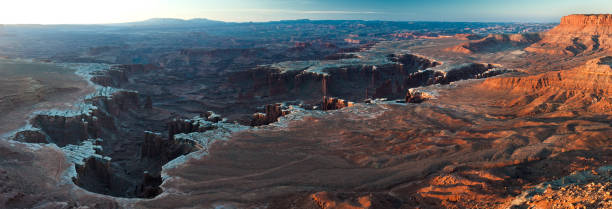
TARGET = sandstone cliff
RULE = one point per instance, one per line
(496, 42)
(577, 34)
(587, 87)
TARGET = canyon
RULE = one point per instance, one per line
(398, 118)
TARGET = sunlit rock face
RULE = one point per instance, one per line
(586, 87)
(150, 139)
(495, 43)
(577, 34)
(271, 115)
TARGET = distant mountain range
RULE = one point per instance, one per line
(170, 22)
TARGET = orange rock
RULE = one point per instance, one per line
(495, 42)
(577, 34)
(587, 87)
(326, 201)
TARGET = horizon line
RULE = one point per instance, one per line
(270, 21)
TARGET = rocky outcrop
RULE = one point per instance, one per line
(118, 75)
(95, 175)
(156, 147)
(470, 71)
(414, 96)
(331, 103)
(414, 61)
(595, 77)
(496, 43)
(100, 176)
(32, 136)
(72, 127)
(339, 56)
(587, 19)
(587, 87)
(332, 200)
(200, 124)
(113, 117)
(120, 102)
(271, 115)
(577, 34)
(63, 130)
(455, 73)
(150, 186)
(353, 82)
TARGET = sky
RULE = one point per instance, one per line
(116, 11)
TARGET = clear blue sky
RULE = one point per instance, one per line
(109, 11)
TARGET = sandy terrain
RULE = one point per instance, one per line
(27, 86)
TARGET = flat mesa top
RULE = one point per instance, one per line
(587, 19)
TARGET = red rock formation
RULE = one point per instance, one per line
(469, 71)
(414, 61)
(496, 42)
(330, 103)
(386, 88)
(271, 115)
(591, 195)
(413, 96)
(577, 34)
(329, 200)
(178, 125)
(587, 87)
(352, 41)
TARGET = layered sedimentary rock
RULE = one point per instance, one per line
(331, 103)
(587, 189)
(271, 115)
(61, 130)
(414, 96)
(311, 81)
(587, 87)
(118, 75)
(495, 43)
(89, 121)
(97, 174)
(115, 117)
(200, 124)
(414, 61)
(469, 71)
(328, 200)
(159, 148)
(157, 151)
(577, 34)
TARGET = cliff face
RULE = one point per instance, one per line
(271, 115)
(577, 34)
(118, 75)
(495, 43)
(594, 77)
(587, 19)
(330, 103)
(587, 87)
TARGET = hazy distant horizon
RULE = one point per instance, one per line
(269, 21)
(123, 11)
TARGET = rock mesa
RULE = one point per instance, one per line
(577, 34)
